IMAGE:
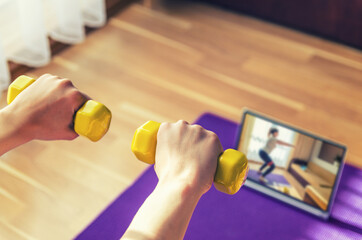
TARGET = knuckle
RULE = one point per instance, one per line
(197, 127)
(44, 78)
(164, 130)
(46, 75)
(65, 83)
(182, 122)
(212, 135)
(164, 125)
(74, 94)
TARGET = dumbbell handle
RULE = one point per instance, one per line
(92, 120)
(232, 166)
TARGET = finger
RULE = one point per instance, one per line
(197, 129)
(77, 99)
(86, 96)
(214, 137)
(70, 135)
(181, 126)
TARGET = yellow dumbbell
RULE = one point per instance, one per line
(232, 166)
(92, 120)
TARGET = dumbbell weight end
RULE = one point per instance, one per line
(232, 167)
(92, 120)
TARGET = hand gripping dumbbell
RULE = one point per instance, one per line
(232, 166)
(92, 120)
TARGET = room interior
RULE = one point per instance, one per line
(308, 171)
(171, 60)
(316, 173)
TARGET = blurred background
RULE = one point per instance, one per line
(297, 61)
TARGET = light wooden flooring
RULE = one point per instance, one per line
(168, 62)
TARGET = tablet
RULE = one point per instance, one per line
(290, 164)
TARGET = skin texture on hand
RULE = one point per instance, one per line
(188, 154)
(43, 111)
(186, 160)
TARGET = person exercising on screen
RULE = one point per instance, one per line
(186, 155)
(265, 152)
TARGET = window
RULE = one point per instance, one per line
(259, 137)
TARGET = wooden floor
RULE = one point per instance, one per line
(167, 62)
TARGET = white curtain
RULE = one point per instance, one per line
(26, 24)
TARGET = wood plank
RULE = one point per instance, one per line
(167, 62)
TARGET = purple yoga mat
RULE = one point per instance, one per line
(245, 215)
(271, 178)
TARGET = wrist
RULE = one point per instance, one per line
(13, 132)
(181, 188)
(190, 179)
(166, 212)
(20, 121)
(8, 126)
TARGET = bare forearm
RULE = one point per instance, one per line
(285, 143)
(165, 214)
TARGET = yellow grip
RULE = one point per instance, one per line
(92, 120)
(232, 167)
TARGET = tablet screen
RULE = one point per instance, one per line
(297, 164)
